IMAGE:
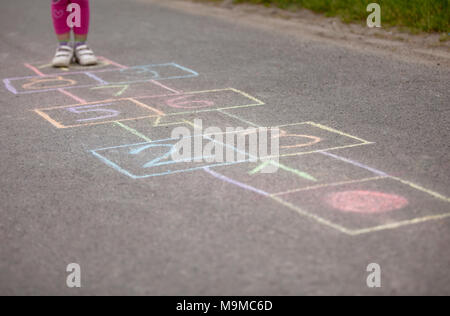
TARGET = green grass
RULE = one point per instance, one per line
(418, 15)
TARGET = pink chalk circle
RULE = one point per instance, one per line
(366, 202)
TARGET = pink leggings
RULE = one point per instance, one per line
(60, 14)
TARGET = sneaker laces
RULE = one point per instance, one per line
(84, 50)
(63, 51)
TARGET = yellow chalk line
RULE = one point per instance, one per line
(239, 118)
(317, 151)
(157, 123)
(327, 129)
(312, 216)
(145, 106)
(418, 187)
(49, 119)
(400, 224)
(133, 131)
(247, 95)
(327, 185)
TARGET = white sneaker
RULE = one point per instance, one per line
(85, 56)
(63, 56)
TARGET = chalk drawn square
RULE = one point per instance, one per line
(309, 137)
(143, 73)
(296, 173)
(88, 78)
(38, 84)
(161, 127)
(201, 101)
(172, 104)
(119, 91)
(94, 113)
(368, 206)
(153, 159)
(46, 68)
(218, 118)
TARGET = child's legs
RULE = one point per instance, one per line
(60, 15)
(82, 31)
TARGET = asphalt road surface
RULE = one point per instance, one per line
(363, 178)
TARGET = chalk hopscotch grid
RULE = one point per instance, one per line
(139, 134)
(158, 113)
(352, 232)
(379, 175)
(42, 113)
(118, 66)
(84, 102)
(92, 74)
(96, 153)
(275, 197)
(158, 116)
(118, 122)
